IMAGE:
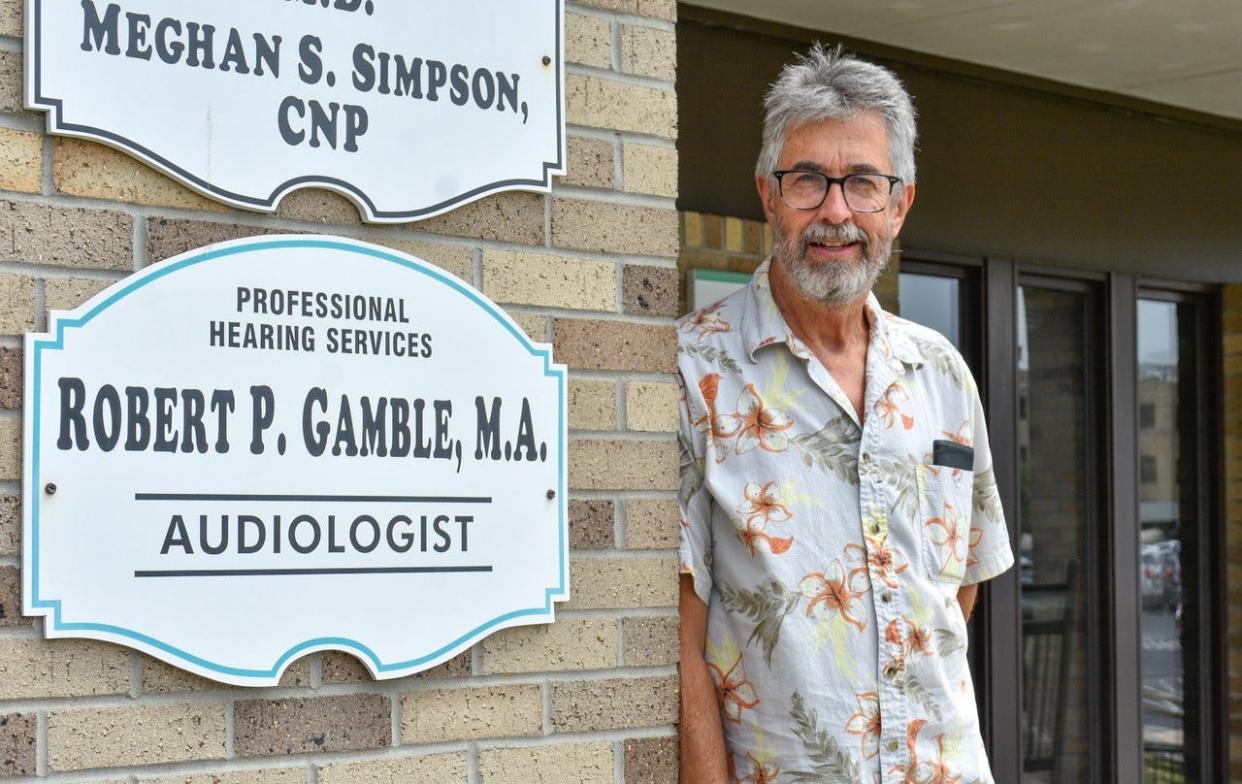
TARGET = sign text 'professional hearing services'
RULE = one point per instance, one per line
(408, 107)
(274, 446)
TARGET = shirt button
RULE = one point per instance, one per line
(890, 672)
(886, 597)
(892, 745)
(866, 457)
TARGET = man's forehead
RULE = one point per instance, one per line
(861, 138)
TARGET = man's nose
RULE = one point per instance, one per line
(834, 209)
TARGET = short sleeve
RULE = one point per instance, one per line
(693, 502)
(990, 551)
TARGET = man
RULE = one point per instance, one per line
(837, 498)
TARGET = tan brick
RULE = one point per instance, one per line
(651, 524)
(161, 678)
(18, 744)
(68, 293)
(590, 163)
(21, 161)
(37, 234)
(17, 311)
(505, 217)
(589, 763)
(438, 768)
(622, 583)
(651, 407)
(753, 237)
(568, 644)
(84, 168)
(620, 703)
(349, 722)
(734, 235)
(338, 667)
(603, 103)
(316, 205)
(614, 228)
(651, 291)
(624, 6)
(659, 9)
(12, 377)
(622, 465)
(11, 18)
(10, 527)
(10, 449)
(591, 525)
(649, 642)
(692, 229)
(713, 231)
(609, 345)
(12, 86)
(646, 51)
(11, 598)
(477, 712)
(647, 168)
(455, 259)
(588, 40)
(651, 761)
(549, 281)
(535, 325)
(39, 669)
(263, 776)
(134, 735)
(592, 405)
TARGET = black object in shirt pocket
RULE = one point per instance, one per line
(951, 454)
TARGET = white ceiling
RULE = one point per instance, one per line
(1185, 53)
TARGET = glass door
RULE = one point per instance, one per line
(1058, 440)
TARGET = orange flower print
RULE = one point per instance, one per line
(733, 692)
(926, 771)
(947, 534)
(706, 321)
(976, 536)
(759, 773)
(962, 436)
(866, 723)
(762, 506)
(918, 639)
(715, 425)
(758, 425)
(834, 592)
(885, 562)
(889, 410)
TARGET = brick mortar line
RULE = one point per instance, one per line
(596, 315)
(222, 697)
(251, 764)
(633, 20)
(53, 272)
(596, 132)
(614, 196)
(373, 233)
(621, 376)
(636, 80)
(41, 743)
(21, 122)
(12, 43)
(634, 554)
(46, 163)
(619, 435)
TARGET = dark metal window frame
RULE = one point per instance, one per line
(1115, 652)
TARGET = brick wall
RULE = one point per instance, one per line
(727, 244)
(1233, 518)
(591, 268)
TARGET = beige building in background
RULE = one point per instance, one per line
(590, 268)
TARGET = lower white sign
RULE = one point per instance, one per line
(275, 446)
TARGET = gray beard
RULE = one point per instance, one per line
(835, 284)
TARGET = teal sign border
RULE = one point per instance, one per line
(193, 258)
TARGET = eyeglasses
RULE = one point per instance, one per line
(807, 190)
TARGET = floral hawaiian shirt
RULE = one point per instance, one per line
(830, 551)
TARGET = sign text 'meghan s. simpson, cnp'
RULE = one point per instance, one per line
(408, 107)
(274, 446)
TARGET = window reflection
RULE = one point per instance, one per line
(933, 301)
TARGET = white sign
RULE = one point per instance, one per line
(270, 447)
(408, 107)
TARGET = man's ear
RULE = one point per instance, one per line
(764, 185)
(902, 208)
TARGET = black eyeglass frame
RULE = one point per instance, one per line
(779, 174)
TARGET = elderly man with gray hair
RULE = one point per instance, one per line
(838, 506)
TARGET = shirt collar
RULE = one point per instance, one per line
(763, 325)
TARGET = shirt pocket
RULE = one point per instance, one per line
(944, 520)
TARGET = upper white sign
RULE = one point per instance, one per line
(408, 107)
(281, 445)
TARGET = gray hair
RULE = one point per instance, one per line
(828, 84)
